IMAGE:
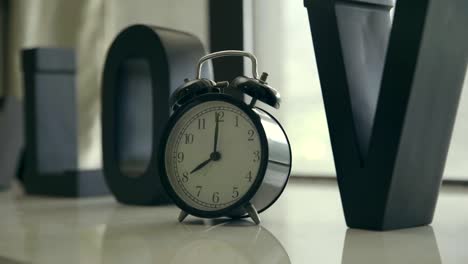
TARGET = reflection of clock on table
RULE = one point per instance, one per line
(213, 250)
(222, 156)
(167, 242)
(232, 244)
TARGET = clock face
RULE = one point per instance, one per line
(213, 155)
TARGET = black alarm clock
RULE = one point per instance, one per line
(223, 157)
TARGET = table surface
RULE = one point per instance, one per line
(306, 225)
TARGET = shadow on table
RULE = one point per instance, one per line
(415, 245)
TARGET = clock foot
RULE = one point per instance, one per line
(182, 216)
(253, 213)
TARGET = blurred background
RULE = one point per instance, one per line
(279, 36)
(305, 224)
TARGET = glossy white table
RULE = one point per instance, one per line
(305, 226)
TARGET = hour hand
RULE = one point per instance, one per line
(203, 164)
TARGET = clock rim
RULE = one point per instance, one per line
(263, 162)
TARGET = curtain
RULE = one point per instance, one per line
(89, 26)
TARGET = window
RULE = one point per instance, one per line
(282, 41)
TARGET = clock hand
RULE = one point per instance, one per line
(203, 164)
(215, 156)
(216, 134)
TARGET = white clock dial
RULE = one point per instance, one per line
(210, 174)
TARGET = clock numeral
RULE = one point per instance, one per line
(237, 121)
(219, 116)
(215, 197)
(249, 176)
(185, 177)
(235, 192)
(256, 157)
(189, 138)
(201, 123)
(180, 157)
(199, 188)
(251, 135)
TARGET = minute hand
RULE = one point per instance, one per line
(215, 147)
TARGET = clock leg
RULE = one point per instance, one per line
(252, 213)
(182, 216)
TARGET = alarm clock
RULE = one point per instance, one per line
(222, 156)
